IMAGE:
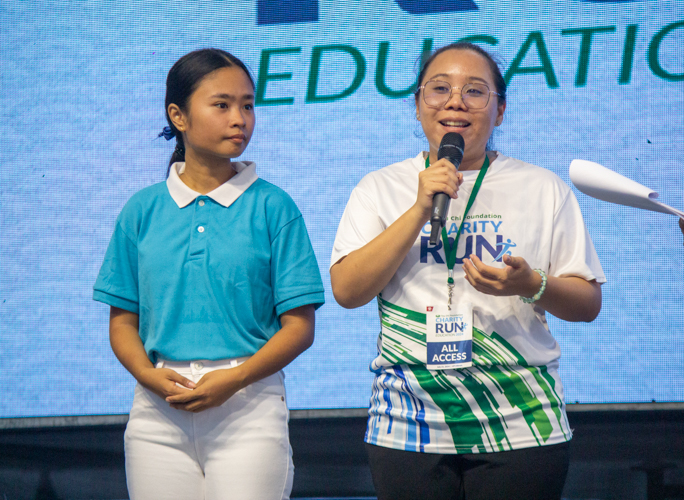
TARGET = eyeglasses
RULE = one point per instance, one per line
(437, 93)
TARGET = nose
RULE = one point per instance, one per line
(455, 100)
(237, 117)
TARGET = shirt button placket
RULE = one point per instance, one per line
(199, 229)
(201, 226)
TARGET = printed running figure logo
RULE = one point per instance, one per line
(505, 250)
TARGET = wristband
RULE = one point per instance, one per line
(537, 295)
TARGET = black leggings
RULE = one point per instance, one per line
(536, 473)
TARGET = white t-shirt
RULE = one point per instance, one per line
(511, 397)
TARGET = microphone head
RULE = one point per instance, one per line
(451, 147)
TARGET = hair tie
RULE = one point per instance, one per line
(167, 133)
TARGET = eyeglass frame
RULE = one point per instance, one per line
(451, 90)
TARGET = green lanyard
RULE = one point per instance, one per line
(450, 251)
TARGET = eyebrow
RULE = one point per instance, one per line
(229, 96)
(477, 78)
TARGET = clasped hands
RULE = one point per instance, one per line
(517, 278)
(212, 390)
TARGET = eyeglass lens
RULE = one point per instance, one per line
(437, 93)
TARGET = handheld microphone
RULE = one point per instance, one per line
(451, 148)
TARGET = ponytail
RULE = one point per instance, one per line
(178, 153)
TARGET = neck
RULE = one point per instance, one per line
(203, 174)
(467, 163)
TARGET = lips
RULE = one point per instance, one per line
(455, 123)
(237, 138)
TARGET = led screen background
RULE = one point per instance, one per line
(82, 103)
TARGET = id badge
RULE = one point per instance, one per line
(450, 337)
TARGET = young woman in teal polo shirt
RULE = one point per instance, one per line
(212, 283)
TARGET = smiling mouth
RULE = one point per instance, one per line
(455, 124)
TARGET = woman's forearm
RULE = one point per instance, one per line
(130, 351)
(295, 336)
(360, 276)
(125, 341)
(571, 298)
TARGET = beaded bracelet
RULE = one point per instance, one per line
(537, 295)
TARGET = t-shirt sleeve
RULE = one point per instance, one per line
(117, 282)
(359, 225)
(295, 276)
(572, 251)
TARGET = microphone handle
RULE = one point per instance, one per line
(440, 208)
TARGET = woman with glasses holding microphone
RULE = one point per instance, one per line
(466, 401)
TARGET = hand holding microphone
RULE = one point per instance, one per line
(451, 149)
(442, 177)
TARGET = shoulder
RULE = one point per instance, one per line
(141, 204)
(534, 185)
(143, 200)
(517, 172)
(272, 196)
(392, 176)
(276, 206)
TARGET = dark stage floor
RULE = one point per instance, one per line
(626, 455)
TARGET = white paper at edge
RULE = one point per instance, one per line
(601, 183)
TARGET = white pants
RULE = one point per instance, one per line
(239, 450)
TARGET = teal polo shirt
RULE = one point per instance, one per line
(209, 275)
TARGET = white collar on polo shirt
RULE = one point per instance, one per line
(225, 194)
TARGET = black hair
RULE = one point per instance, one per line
(184, 78)
(499, 81)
